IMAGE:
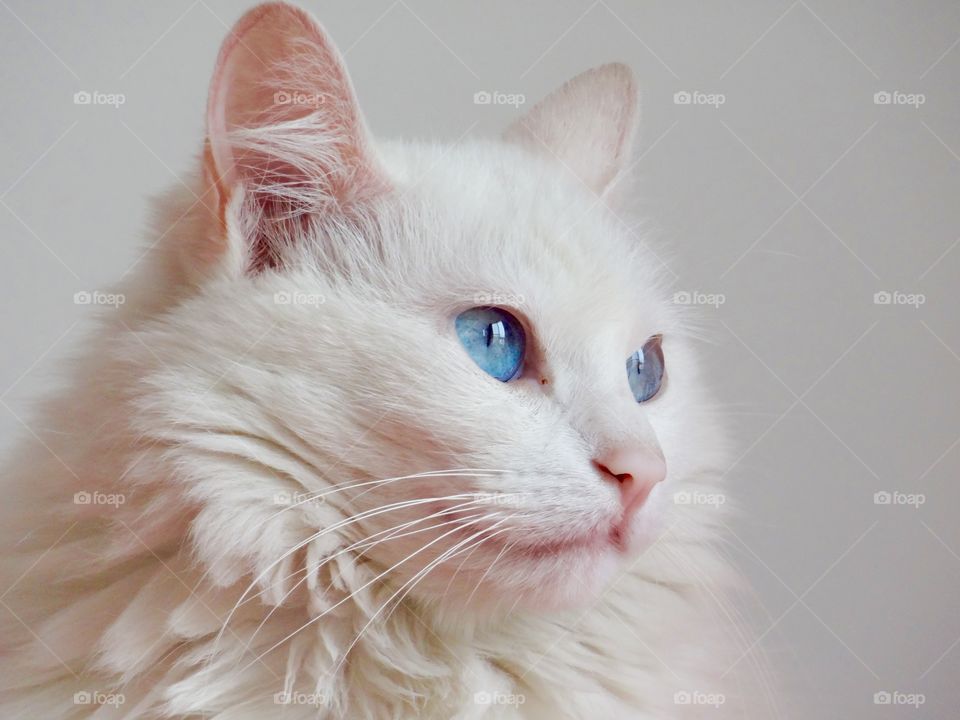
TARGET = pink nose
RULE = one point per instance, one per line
(636, 471)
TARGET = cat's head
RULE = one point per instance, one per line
(457, 361)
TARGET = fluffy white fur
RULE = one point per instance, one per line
(207, 402)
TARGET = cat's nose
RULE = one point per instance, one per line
(635, 470)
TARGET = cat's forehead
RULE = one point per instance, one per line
(494, 221)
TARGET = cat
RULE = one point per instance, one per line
(381, 430)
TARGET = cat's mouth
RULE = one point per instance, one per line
(596, 542)
(604, 538)
(615, 535)
(545, 564)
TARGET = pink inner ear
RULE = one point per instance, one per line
(283, 122)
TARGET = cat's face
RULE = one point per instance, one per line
(437, 348)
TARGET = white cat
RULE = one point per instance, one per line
(383, 430)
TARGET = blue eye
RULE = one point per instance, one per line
(494, 339)
(645, 370)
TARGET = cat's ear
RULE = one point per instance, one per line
(285, 136)
(588, 125)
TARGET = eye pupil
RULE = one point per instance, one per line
(494, 339)
(645, 370)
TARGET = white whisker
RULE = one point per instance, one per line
(410, 583)
(365, 544)
(367, 514)
(340, 602)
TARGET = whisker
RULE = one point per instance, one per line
(310, 497)
(487, 572)
(362, 516)
(369, 541)
(457, 572)
(340, 602)
(368, 544)
(410, 584)
(463, 472)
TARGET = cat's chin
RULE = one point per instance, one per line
(568, 574)
(574, 578)
(540, 581)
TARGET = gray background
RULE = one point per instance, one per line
(797, 200)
